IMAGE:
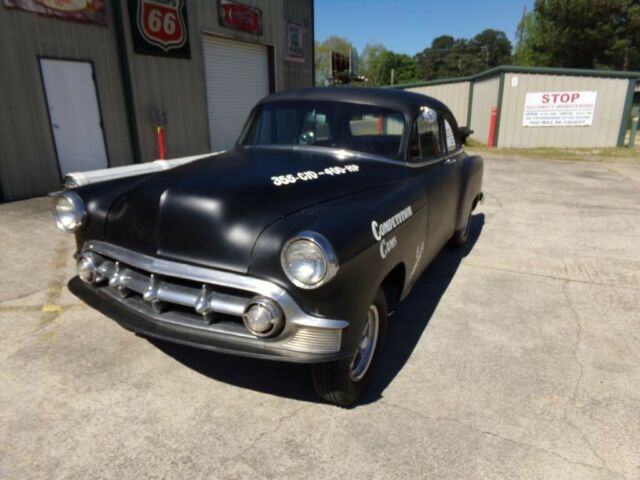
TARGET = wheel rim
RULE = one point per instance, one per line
(366, 345)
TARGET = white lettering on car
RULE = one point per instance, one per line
(419, 252)
(387, 245)
(310, 175)
(379, 230)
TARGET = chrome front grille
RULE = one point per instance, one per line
(164, 292)
(205, 298)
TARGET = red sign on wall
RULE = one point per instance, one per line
(89, 11)
(159, 27)
(240, 16)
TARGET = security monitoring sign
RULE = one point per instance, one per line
(559, 109)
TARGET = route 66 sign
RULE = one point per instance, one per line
(159, 27)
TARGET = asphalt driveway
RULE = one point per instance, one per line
(518, 358)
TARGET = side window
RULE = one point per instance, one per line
(414, 144)
(450, 137)
(429, 134)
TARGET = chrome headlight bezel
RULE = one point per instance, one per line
(78, 210)
(322, 245)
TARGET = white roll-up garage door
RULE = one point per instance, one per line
(237, 76)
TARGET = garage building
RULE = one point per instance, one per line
(99, 83)
(539, 107)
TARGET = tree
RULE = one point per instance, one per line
(378, 63)
(449, 57)
(491, 48)
(372, 63)
(432, 61)
(582, 34)
(404, 68)
(526, 33)
(322, 56)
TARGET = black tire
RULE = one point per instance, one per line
(334, 381)
(461, 236)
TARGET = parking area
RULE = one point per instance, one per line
(518, 358)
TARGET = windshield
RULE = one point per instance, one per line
(349, 126)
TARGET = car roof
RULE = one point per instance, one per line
(401, 100)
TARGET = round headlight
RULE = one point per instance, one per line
(308, 260)
(69, 211)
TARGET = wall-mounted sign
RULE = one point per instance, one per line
(159, 27)
(240, 16)
(88, 11)
(559, 109)
(295, 41)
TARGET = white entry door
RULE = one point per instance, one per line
(74, 114)
(237, 76)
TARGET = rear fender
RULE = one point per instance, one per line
(471, 173)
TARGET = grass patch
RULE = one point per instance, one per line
(617, 154)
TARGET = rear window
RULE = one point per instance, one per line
(377, 124)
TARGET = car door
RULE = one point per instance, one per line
(429, 160)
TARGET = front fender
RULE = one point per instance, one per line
(366, 255)
(98, 199)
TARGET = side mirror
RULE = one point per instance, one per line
(465, 132)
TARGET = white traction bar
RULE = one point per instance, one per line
(79, 179)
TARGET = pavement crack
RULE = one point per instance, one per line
(495, 197)
(281, 421)
(603, 467)
(19, 297)
(576, 385)
(550, 277)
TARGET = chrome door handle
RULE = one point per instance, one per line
(450, 161)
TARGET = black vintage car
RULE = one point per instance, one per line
(292, 246)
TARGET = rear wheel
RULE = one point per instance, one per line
(461, 236)
(341, 382)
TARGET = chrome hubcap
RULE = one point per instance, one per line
(366, 346)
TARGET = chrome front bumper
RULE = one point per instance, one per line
(201, 307)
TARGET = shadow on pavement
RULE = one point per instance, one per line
(294, 381)
(412, 316)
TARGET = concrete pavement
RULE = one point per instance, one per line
(518, 358)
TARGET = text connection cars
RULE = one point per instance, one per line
(293, 245)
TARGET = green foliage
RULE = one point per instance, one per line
(377, 64)
(373, 63)
(581, 34)
(446, 57)
(322, 56)
(450, 57)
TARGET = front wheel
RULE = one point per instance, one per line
(341, 382)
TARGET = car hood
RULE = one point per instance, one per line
(211, 212)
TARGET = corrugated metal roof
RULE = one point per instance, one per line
(578, 72)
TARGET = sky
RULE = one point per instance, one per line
(409, 26)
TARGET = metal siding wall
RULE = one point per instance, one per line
(453, 95)
(178, 87)
(606, 119)
(28, 165)
(296, 74)
(485, 96)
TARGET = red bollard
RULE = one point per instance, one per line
(492, 127)
(380, 126)
(160, 135)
